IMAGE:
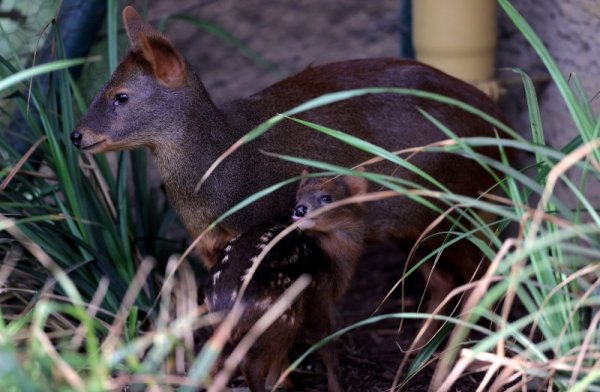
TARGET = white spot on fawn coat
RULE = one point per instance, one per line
(216, 277)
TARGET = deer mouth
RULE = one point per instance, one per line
(91, 146)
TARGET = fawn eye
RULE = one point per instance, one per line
(326, 199)
(120, 99)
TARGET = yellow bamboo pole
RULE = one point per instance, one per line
(456, 36)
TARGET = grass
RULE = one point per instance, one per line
(94, 298)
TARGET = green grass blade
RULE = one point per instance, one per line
(37, 70)
(577, 113)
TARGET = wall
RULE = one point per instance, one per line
(570, 31)
(292, 35)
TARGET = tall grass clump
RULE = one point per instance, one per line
(77, 253)
(540, 297)
(79, 241)
(93, 297)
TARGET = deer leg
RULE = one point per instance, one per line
(439, 283)
(320, 327)
(275, 371)
(255, 368)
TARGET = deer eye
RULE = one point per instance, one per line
(120, 99)
(325, 199)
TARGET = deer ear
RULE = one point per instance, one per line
(166, 61)
(357, 185)
(303, 178)
(134, 25)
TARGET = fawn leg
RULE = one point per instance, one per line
(275, 371)
(284, 336)
(269, 356)
(327, 353)
(320, 327)
(255, 368)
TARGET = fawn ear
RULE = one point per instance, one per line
(357, 185)
(166, 61)
(303, 178)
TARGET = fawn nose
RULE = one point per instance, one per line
(300, 210)
(76, 137)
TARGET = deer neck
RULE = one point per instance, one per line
(183, 158)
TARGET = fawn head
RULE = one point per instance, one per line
(317, 192)
(145, 101)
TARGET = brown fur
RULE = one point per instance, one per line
(327, 248)
(170, 112)
(339, 233)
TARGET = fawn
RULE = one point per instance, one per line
(326, 247)
(154, 100)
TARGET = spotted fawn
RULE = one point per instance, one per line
(326, 247)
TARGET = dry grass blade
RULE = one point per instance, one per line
(511, 367)
(13, 172)
(442, 380)
(493, 369)
(65, 370)
(278, 308)
(509, 298)
(163, 315)
(561, 167)
(197, 318)
(459, 291)
(11, 227)
(549, 217)
(87, 163)
(132, 291)
(587, 341)
(412, 151)
(92, 309)
(564, 283)
(187, 301)
(10, 261)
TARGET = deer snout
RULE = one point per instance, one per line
(93, 142)
(76, 137)
(300, 211)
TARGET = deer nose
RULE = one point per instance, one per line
(76, 137)
(300, 210)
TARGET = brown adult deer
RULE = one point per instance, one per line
(154, 100)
